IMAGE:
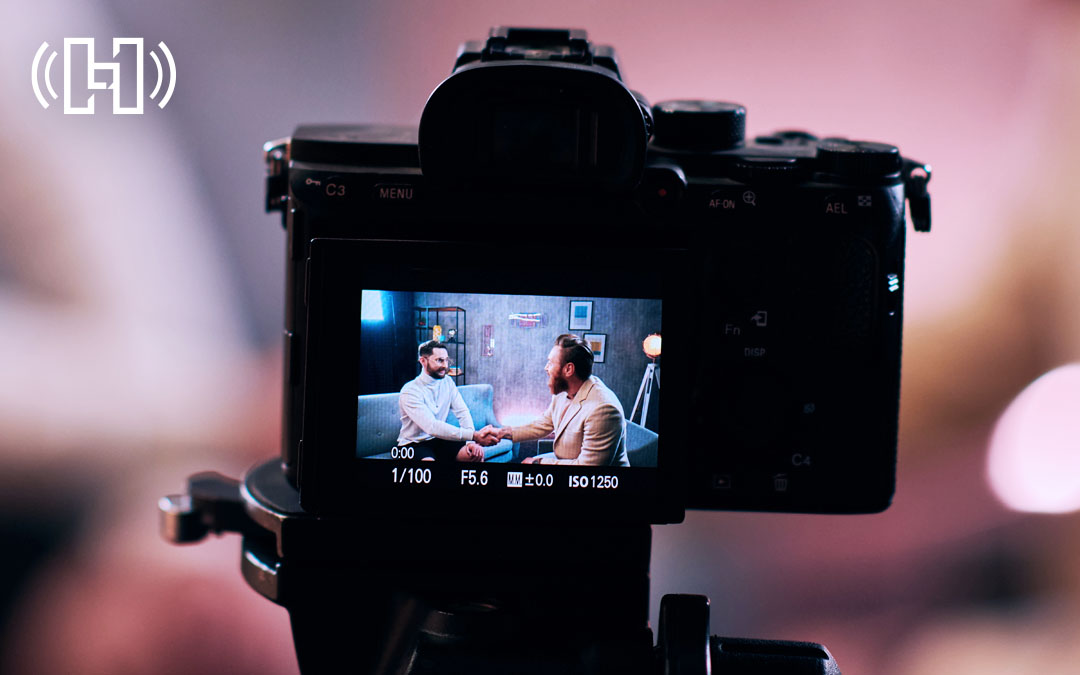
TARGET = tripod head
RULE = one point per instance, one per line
(365, 597)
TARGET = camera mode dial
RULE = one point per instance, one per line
(858, 159)
(699, 125)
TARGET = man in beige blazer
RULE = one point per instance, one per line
(586, 416)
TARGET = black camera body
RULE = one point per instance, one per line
(540, 197)
(772, 266)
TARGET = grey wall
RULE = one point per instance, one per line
(516, 368)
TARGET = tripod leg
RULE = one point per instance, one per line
(648, 393)
(641, 392)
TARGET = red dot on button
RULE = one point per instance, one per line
(662, 192)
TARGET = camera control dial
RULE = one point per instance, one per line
(858, 159)
(699, 125)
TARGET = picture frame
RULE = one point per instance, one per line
(598, 343)
(581, 314)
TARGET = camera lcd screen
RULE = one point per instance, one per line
(434, 384)
(509, 391)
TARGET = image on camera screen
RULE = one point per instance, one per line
(477, 377)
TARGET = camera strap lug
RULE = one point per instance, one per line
(916, 176)
(276, 156)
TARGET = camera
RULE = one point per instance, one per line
(478, 308)
(539, 184)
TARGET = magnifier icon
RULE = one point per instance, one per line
(749, 197)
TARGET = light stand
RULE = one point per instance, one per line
(651, 346)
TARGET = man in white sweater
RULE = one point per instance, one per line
(425, 402)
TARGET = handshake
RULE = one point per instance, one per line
(473, 451)
(489, 435)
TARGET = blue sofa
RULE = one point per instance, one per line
(378, 422)
(641, 445)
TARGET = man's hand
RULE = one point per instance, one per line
(528, 460)
(488, 436)
(470, 452)
(484, 436)
(500, 434)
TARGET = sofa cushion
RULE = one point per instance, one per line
(480, 399)
(641, 445)
(378, 422)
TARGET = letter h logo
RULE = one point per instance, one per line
(93, 68)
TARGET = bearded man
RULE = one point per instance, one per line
(586, 416)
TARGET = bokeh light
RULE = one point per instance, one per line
(1034, 459)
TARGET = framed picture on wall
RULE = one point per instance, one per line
(598, 344)
(581, 315)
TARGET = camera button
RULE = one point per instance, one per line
(802, 460)
(662, 188)
(731, 330)
(395, 192)
(735, 199)
(721, 481)
(331, 190)
(781, 482)
(843, 204)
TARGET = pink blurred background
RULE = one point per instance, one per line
(141, 288)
